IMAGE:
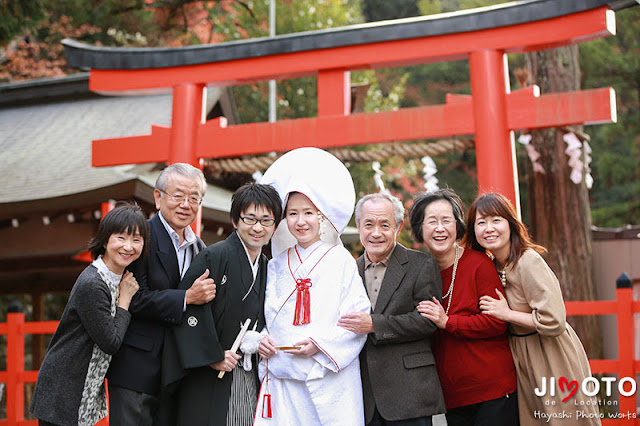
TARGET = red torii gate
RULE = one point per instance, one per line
(484, 36)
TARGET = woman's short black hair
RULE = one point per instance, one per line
(422, 200)
(126, 218)
(258, 194)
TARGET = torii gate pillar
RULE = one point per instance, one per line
(187, 117)
(494, 139)
(188, 114)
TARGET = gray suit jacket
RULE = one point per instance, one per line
(398, 369)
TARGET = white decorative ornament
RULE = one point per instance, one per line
(377, 177)
(192, 321)
(534, 156)
(574, 152)
(250, 345)
(588, 179)
(429, 170)
(572, 141)
(257, 175)
(524, 138)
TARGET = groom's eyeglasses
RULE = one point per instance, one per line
(252, 221)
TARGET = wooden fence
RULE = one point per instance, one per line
(625, 366)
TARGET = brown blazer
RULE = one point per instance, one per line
(398, 369)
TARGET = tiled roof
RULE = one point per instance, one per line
(45, 149)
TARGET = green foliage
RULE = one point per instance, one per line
(380, 10)
(377, 100)
(18, 16)
(617, 213)
(115, 19)
(39, 53)
(309, 15)
(615, 62)
(429, 7)
(126, 39)
(428, 84)
(296, 98)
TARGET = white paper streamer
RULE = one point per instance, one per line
(377, 177)
(588, 179)
(574, 152)
(534, 155)
(429, 170)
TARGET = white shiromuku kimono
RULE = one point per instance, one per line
(324, 389)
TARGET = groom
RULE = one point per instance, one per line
(207, 332)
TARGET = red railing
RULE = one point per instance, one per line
(625, 366)
(16, 376)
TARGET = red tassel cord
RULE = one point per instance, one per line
(266, 407)
(302, 314)
(266, 400)
(303, 302)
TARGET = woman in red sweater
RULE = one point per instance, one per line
(472, 352)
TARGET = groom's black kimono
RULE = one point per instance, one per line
(208, 330)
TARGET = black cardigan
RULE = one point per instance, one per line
(86, 321)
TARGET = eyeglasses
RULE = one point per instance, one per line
(252, 221)
(434, 223)
(179, 198)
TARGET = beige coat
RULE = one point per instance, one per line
(554, 350)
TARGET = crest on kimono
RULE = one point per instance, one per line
(192, 321)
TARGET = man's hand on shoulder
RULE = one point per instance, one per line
(357, 322)
(202, 291)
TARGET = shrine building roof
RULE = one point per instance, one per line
(46, 129)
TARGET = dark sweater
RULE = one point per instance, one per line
(86, 321)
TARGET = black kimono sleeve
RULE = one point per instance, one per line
(194, 342)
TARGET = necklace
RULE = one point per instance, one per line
(503, 277)
(453, 278)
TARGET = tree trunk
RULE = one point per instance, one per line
(559, 209)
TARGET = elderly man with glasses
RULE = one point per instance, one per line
(216, 386)
(135, 372)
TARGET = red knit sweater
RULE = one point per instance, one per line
(472, 353)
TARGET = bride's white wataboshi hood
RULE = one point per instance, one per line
(324, 180)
